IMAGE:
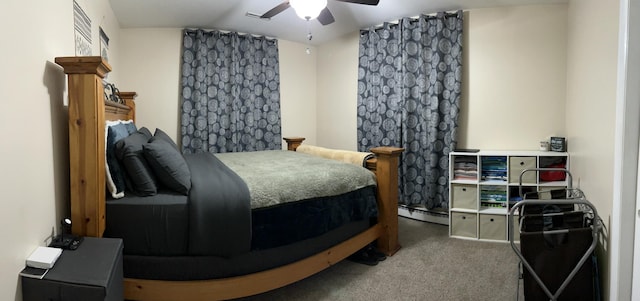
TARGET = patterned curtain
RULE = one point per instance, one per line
(230, 92)
(409, 86)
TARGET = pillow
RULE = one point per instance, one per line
(130, 152)
(145, 131)
(131, 127)
(159, 134)
(168, 164)
(114, 173)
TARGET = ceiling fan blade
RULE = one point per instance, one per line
(326, 17)
(276, 10)
(365, 2)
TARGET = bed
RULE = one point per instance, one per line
(286, 261)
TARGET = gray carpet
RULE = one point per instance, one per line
(430, 266)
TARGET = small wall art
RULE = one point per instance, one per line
(82, 30)
(104, 45)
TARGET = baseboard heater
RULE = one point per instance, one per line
(424, 214)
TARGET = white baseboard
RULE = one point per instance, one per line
(424, 214)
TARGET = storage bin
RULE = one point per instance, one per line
(464, 224)
(493, 227)
(517, 165)
(465, 196)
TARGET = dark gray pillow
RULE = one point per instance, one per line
(160, 134)
(145, 131)
(168, 164)
(131, 153)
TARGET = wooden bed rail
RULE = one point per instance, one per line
(247, 285)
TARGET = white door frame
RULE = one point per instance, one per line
(623, 225)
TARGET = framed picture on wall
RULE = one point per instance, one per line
(82, 30)
(104, 45)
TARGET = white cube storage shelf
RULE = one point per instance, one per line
(485, 185)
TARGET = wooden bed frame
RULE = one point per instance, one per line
(88, 112)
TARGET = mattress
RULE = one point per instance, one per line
(281, 225)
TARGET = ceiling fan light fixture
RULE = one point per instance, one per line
(308, 9)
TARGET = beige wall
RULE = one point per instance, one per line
(35, 156)
(591, 96)
(298, 90)
(151, 67)
(514, 77)
(337, 93)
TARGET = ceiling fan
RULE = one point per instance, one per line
(311, 9)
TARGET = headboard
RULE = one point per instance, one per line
(88, 112)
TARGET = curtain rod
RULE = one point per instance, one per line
(415, 18)
(228, 31)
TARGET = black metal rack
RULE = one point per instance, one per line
(558, 237)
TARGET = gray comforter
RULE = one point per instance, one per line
(278, 177)
(219, 208)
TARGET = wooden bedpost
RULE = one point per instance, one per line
(86, 142)
(386, 169)
(293, 142)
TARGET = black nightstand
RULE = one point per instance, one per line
(92, 272)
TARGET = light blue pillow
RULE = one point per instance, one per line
(116, 182)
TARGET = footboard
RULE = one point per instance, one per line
(385, 166)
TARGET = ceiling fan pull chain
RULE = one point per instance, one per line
(309, 37)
